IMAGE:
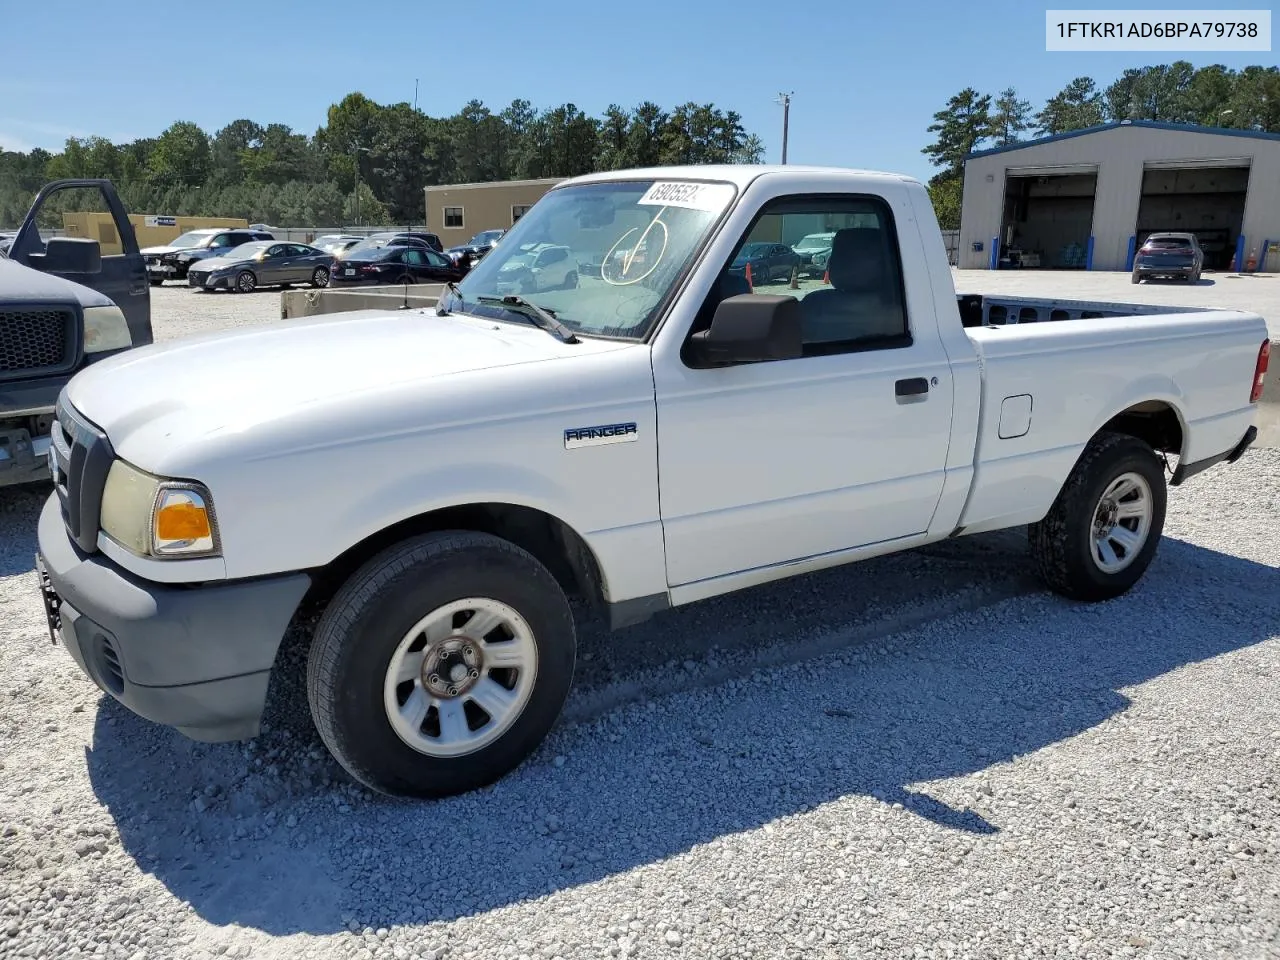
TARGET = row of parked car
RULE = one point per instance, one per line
(244, 260)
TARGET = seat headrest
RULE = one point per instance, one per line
(856, 264)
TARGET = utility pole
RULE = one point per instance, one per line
(359, 150)
(785, 100)
(415, 94)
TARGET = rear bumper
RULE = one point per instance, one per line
(1186, 470)
(1153, 271)
(196, 657)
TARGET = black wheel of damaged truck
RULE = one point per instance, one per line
(1102, 531)
(441, 665)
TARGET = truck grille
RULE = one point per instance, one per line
(37, 341)
(81, 456)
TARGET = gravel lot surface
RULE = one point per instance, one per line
(179, 311)
(920, 755)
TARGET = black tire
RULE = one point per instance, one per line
(155, 281)
(246, 282)
(1136, 277)
(1062, 543)
(404, 280)
(571, 280)
(364, 624)
(320, 277)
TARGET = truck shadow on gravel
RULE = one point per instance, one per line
(269, 835)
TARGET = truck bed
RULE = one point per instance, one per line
(983, 310)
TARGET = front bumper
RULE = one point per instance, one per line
(196, 657)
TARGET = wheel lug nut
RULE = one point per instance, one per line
(453, 691)
(475, 674)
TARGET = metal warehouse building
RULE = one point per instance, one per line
(1087, 199)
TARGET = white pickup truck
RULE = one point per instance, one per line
(655, 431)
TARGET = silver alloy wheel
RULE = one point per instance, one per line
(246, 282)
(1121, 522)
(460, 677)
(321, 277)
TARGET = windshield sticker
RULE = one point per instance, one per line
(691, 196)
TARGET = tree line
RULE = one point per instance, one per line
(1211, 96)
(273, 174)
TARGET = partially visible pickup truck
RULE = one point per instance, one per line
(435, 482)
(63, 306)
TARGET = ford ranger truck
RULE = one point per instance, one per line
(63, 306)
(437, 481)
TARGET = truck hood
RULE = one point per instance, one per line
(296, 379)
(19, 282)
(160, 251)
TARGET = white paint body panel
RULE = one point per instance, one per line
(314, 434)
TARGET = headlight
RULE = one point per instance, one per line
(159, 518)
(105, 328)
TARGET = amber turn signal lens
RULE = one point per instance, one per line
(182, 520)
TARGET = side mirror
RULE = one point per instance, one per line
(72, 255)
(750, 328)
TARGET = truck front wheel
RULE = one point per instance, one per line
(1102, 531)
(441, 665)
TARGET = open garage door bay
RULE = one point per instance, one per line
(1204, 197)
(1048, 217)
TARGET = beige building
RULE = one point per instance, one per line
(1087, 199)
(458, 211)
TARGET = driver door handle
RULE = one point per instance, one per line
(911, 387)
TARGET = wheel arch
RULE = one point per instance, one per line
(554, 543)
(1157, 422)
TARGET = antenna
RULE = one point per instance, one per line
(785, 100)
(415, 93)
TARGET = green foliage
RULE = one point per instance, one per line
(1076, 106)
(1012, 116)
(272, 174)
(960, 127)
(945, 192)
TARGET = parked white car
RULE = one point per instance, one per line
(436, 481)
(542, 266)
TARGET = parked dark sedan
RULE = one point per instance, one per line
(1169, 255)
(769, 261)
(264, 263)
(395, 265)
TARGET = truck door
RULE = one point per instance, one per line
(774, 462)
(122, 276)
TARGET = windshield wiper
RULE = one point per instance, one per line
(540, 316)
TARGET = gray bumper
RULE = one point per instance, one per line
(197, 658)
(23, 458)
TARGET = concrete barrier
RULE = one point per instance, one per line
(307, 303)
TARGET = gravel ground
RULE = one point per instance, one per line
(920, 755)
(1019, 777)
(179, 311)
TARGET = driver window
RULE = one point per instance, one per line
(412, 256)
(221, 240)
(276, 251)
(848, 280)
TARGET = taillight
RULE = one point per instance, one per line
(1260, 370)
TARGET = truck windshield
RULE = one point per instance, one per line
(600, 256)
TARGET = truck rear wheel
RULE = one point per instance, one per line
(441, 665)
(1102, 531)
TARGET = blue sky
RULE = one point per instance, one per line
(866, 77)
